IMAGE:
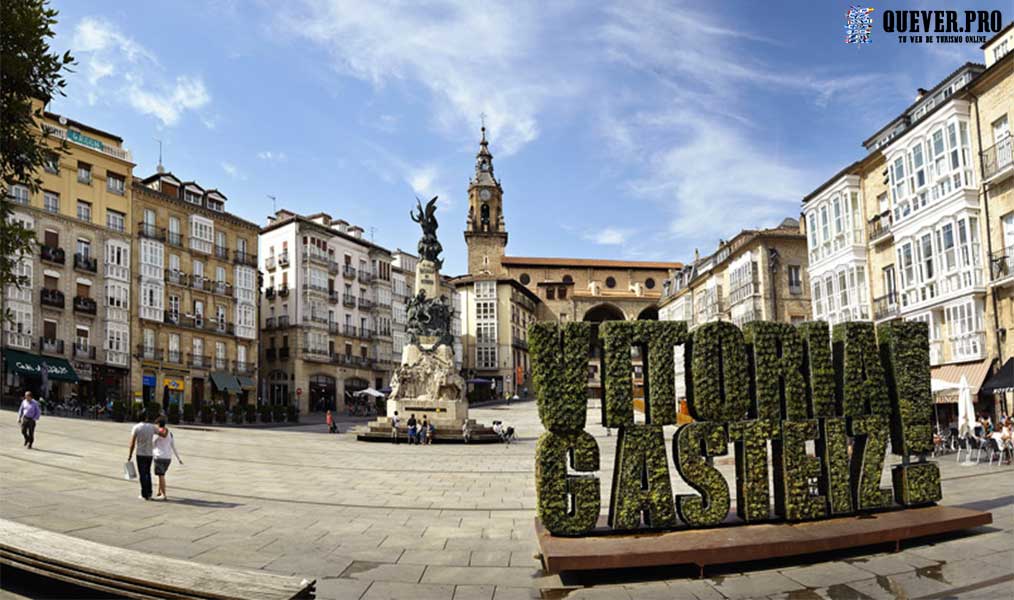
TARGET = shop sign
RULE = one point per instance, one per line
(173, 384)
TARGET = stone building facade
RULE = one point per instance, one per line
(73, 316)
(195, 310)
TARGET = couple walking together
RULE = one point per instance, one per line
(154, 443)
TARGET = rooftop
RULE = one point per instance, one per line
(589, 262)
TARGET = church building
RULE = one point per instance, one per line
(502, 295)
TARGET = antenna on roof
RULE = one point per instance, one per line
(372, 231)
(273, 209)
(159, 168)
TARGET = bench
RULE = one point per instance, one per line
(133, 574)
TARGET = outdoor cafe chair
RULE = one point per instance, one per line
(992, 449)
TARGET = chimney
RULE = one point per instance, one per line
(920, 93)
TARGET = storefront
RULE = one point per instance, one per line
(323, 393)
(360, 405)
(278, 388)
(25, 372)
(223, 384)
(947, 381)
(173, 389)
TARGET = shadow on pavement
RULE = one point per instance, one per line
(203, 503)
(57, 452)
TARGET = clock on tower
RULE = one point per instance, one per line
(485, 234)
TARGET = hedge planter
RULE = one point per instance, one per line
(832, 448)
(692, 445)
(863, 386)
(818, 367)
(916, 484)
(715, 346)
(904, 348)
(753, 501)
(797, 474)
(567, 504)
(777, 366)
(641, 485)
(559, 359)
(656, 341)
(868, 452)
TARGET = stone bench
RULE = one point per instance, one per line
(133, 574)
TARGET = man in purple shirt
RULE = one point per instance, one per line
(28, 414)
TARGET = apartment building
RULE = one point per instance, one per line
(196, 292)
(908, 230)
(326, 311)
(759, 275)
(73, 316)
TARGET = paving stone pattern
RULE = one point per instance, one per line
(446, 521)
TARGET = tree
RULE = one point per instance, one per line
(31, 75)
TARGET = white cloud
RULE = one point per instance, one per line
(118, 67)
(609, 236)
(270, 156)
(233, 171)
(472, 59)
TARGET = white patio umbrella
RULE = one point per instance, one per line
(368, 392)
(941, 385)
(966, 413)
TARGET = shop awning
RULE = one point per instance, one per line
(225, 382)
(247, 383)
(1001, 381)
(974, 372)
(31, 364)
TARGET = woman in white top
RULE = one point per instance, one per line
(164, 450)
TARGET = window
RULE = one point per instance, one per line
(51, 202)
(926, 250)
(610, 282)
(906, 264)
(51, 163)
(1000, 50)
(116, 220)
(947, 246)
(898, 178)
(812, 227)
(838, 220)
(795, 278)
(525, 279)
(825, 230)
(919, 172)
(84, 210)
(649, 283)
(550, 293)
(19, 194)
(84, 248)
(192, 197)
(115, 183)
(562, 293)
(220, 275)
(149, 341)
(84, 173)
(174, 231)
(568, 279)
(202, 232)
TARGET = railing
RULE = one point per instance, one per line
(311, 287)
(50, 297)
(270, 354)
(198, 361)
(333, 268)
(323, 355)
(84, 304)
(319, 319)
(283, 321)
(148, 352)
(519, 342)
(886, 306)
(283, 352)
(332, 296)
(174, 356)
(51, 345)
(199, 282)
(222, 252)
(269, 323)
(269, 293)
(366, 276)
(177, 277)
(367, 334)
(314, 254)
(243, 366)
(283, 259)
(333, 327)
(221, 364)
(269, 263)
(222, 288)
(74, 136)
(349, 271)
(115, 357)
(84, 351)
(86, 263)
(1001, 263)
(174, 238)
(53, 254)
(349, 300)
(18, 339)
(879, 228)
(997, 157)
(244, 258)
(199, 245)
(283, 291)
(350, 331)
(150, 231)
(366, 303)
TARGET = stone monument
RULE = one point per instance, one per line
(427, 383)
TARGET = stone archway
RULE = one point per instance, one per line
(650, 313)
(604, 312)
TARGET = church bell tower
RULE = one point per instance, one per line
(485, 232)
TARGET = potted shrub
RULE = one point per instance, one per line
(251, 413)
(220, 414)
(237, 415)
(265, 413)
(188, 413)
(278, 413)
(174, 414)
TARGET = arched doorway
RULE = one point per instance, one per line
(604, 312)
(323, 393)
(650, 313)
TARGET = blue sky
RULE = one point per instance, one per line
(625, 130)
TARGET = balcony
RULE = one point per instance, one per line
(198, 361)
(366, 276)
(518, 342)
(269, 293)
(283, 321)
(333, 268)
(221, 252)
(171, 317)
(283, 259)
(349, 271)
(283, 292)
(314, 254)
(174, 356)
(177, 277)
(174, 238)
(270, 354)
(332, 296)
(886, 307)
(879, 229)
(283, 353)
(269, 323)
(367, 334)
(222, 288)
(310, 287)
(315, 319)
(221, 364)
(349, 300)
(202, 246)
(350, 331)
(223, 327)
(269, 263)
(53, 254)
(243, 367)
(1001, 266)
(86, 305)
(115, 357)
(83, 262)
(150, 231)
(199, 282)
(51, 346)
(84, 351)
(148, 353)
(316, 354)
(115, 271)
(998, 161)
(18, 339)
(366, 304)
(53, 298)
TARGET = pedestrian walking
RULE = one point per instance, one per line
(332, 427)
(394, 428)
(164, 449)
(28, 414)
(141, 437)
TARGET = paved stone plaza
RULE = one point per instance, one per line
(379, 521)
